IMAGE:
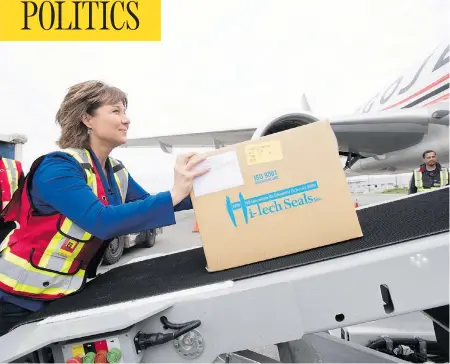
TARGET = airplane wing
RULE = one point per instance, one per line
(365, 134)
(213, 139)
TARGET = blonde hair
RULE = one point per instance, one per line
(82, 99)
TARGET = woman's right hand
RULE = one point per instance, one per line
(184, 175)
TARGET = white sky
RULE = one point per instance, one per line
(223, 64)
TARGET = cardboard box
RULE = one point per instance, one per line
(281, 194)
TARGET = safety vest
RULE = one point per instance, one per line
(10, 172)
(418, 180)
(47, 256)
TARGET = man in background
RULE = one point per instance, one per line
(429, 176)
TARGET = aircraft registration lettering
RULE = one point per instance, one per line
(264, 152)
(412, 82)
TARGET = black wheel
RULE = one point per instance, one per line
(149, 238)
(114, 252)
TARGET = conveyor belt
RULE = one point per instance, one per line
(386, 224)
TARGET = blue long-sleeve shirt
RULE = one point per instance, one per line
(59, 185)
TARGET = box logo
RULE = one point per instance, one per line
(80, 20)
(265, 177)
(272, 202)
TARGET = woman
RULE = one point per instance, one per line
(74, 201)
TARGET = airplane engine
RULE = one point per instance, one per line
(284, 122)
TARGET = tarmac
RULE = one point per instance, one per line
(180, 236)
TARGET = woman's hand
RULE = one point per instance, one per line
(184, 175)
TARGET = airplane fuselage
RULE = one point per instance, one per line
(425, 86)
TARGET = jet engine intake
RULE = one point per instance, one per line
(285, 122)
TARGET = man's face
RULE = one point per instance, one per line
(430, 159)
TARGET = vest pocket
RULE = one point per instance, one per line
(55, 263)
(34, 282)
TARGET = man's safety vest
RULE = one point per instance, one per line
(418, 180)
(46, 256)
(10, 172)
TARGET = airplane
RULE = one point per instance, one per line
(386, 135)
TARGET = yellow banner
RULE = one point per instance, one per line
(80, 20)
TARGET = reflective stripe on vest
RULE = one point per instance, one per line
(121, 177)
(47, 256)
(35, 281)
(418, 180)
(120, 172)
(10, 171)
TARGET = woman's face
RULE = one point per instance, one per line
(109, 124)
